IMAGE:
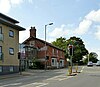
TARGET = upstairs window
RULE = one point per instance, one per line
(1, 53)
(0, 30)
(11, 33)
(1, 35)
(52, 51)
(11, 51)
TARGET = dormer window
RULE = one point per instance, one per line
(32, 43)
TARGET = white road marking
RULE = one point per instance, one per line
(82, 69)
(59, 78)
(65, 78)
(13, 84)
(36, 84)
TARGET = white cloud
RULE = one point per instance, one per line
(6, 5)
(16, 2)
(97, 33)
(83, 27)
(30, 1)
(93, 16)
(24, 35)
(58, 32)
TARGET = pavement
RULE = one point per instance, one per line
(27, 72)
(21, 74)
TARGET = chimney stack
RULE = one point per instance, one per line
(32, 32)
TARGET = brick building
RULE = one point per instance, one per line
(35, 48)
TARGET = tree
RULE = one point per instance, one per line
(79, 49)
(61, 43)
(92, 57)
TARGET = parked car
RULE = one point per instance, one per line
(90, 63)
(98, 63)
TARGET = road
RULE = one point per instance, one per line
(89, 77)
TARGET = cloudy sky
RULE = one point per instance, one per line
(80, 18)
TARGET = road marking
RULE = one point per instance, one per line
(42, 85)
(65, 78)
(13, 84)
(59, 78)
(36, 84)
(82, 69)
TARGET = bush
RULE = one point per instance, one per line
(37, 65)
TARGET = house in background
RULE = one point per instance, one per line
(9, 44)
(35, 48)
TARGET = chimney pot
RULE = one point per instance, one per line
(32, 32)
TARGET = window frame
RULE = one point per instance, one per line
(0, 29)
(11, 69)
(11, 51)
(1, 69)
(11, 33)
(54, 62)
(1, 52)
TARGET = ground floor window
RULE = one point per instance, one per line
(54, 62)
(11, 69)
(0, 68)
(61, 63)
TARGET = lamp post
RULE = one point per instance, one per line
(45, 43)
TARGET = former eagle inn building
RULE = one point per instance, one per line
(34, 48)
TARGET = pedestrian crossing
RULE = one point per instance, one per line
(39, 84)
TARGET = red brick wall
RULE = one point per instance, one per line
(41, 54)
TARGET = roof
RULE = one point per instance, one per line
(8, 18)
(8, 23)
(41, 41)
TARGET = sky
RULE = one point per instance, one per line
(80, 18)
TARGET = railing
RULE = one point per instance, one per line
(1, 37)
(1, 56)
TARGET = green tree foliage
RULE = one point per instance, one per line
(61, 43)
(79, 49)
(92, 57)
(78, 44)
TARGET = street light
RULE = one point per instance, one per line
(45, 42)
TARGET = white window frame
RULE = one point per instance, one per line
(57, 52)
(61, 63)
(52, 51)
(54, 63)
